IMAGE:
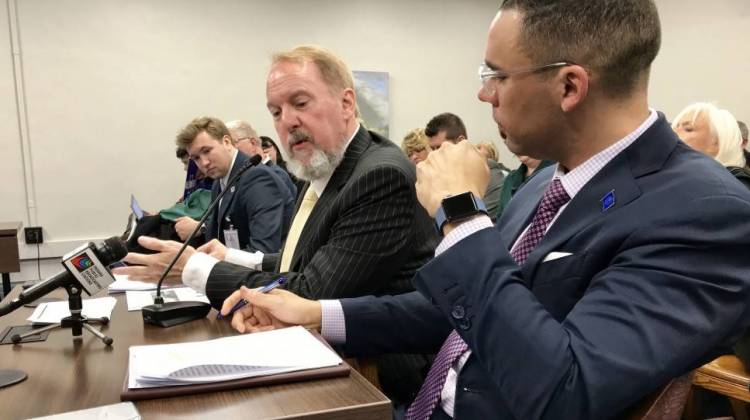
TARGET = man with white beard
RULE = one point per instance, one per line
(358, 229)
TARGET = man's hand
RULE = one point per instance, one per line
(452, 169)
(149, 267)
(215, 249)
(275, 309)
(184, 226)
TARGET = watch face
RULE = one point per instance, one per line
(459, 206)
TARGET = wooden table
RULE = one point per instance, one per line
(66, 376)
(9, 252)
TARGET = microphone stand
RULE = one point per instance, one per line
(76, 322)
(168, 314)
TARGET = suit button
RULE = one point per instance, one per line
(458, 312)
(464, 324)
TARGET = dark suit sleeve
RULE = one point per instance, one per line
(675, 291)
(263, 202)
(366, 244)
(406, 323)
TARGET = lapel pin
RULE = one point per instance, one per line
(231, 190)
(608, 201)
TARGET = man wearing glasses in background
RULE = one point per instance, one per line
(608, 274)
(247, 141)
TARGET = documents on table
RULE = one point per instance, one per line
(139, 299)
(52, 312)
(123, 284)
(119, 411)
(241, 356)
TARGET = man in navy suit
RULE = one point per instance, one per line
(609, 274)
(246, 140)
(255, 214)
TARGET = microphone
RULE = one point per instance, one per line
(174, 313)
(85, 266)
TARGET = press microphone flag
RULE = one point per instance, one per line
(85, 266)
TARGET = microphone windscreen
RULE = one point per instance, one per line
(113, 249)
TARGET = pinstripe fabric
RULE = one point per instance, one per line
(366, 235)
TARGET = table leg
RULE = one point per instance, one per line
(6, 284)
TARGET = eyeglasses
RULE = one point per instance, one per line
(243, 139)
(486, 73)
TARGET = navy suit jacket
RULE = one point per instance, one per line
(655, 286)
(284, 177)
(259, 206)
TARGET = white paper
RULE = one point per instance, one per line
(123, 284)
(119, 411)
(139, 299)
(240, 356)
(52, 312)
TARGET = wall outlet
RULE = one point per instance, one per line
(33, 235)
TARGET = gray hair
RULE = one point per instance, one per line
(242, 129)
(723, 127)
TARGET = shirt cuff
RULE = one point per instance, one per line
(333, 325)
(196, 271)
(462, 230)
(246, 259)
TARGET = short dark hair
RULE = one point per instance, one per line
(743, 129)
(615, 39)
(181, 153)
(450, 123)
(266, 142)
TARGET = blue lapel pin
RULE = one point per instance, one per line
(608, 201)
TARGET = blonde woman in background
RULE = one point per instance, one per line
(714, 132)
(416, 146)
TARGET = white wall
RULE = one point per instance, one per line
(705, 56)
(108, 83)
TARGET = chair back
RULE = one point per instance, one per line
(666, 403)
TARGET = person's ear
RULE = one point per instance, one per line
(349, 102)
(573, 86)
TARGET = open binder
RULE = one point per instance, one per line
(134, 394)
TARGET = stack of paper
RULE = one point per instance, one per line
(138, 299)
(123, 284)
(52, 312)
(242, 356)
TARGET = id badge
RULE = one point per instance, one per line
(231, 238)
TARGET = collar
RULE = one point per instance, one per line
(576, 179)
(319, 185)
(223, 181)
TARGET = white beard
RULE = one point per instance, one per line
(321, 164)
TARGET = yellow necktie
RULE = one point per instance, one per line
(305, 208)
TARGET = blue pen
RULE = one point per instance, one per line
(265, 289)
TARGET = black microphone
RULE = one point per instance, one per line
(174, 313)
(85, 266)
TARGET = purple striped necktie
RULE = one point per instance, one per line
(454, 346)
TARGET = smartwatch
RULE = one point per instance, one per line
(458, 207)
